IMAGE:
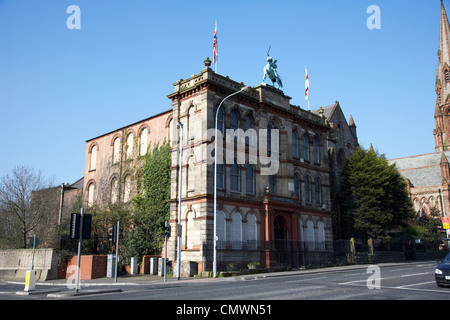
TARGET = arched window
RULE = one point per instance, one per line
(251, 231)
(127, 189)
(305, 148)
(236, 230)
(307, 189)
(191, 237)
(130, 141)
(297, 188)
(249, 180)
(271, 127)
(219, 119)
(116, 150)
(91, 190)
(191, 123)
(144, 142)
(234, 120)
(114, 190)
(316, 150)
(318, 191)
(248, 125)
(310, 241)
(235, 177)
(294, 144)
(93, 157)
(320, 236)
(221, 229)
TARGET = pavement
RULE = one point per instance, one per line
(61, 288)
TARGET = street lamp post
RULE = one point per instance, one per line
(180, 146)
(215, 181)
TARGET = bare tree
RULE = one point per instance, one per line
(15, 200)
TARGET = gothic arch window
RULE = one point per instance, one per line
(236, 230)
(91, 191)
(93, 150)
(114, 190)
(130, 142)
(127, 188)
(143, 139)
(116, 150)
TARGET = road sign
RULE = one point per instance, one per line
(34, 242)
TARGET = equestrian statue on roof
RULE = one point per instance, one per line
(270, 71)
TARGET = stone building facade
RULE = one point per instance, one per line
(270, 219)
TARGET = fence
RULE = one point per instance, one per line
(233, 256)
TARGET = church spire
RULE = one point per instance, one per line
(441, 114)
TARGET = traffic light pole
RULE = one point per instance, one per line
(77, 285)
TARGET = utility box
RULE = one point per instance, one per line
(154, 266)
(110, 266)
(161, 267)
(133, 266)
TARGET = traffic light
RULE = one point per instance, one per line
(112, 232)
(167, 230)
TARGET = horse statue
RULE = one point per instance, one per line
(270, 71)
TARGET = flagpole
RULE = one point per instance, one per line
(215, 51)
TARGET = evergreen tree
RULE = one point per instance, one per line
(373, 195)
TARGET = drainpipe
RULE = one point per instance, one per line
(61, 204)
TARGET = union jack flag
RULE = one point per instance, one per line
(215, 51)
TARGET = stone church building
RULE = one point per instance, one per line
(428, 175)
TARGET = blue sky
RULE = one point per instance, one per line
(61, 87)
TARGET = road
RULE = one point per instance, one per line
(411, 281)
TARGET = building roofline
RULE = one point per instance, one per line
(132, 124)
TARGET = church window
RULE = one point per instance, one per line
(143, 142)
(116, 150)
(447, 76)
(93, 157)
(130, 141)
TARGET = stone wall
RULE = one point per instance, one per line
(15, 263)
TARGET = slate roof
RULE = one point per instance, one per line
(422, 170)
